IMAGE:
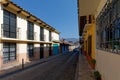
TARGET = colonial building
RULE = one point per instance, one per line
(23, 36)
(88, 35)
(107, 35)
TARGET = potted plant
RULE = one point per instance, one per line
(92, 63)
(97, 75)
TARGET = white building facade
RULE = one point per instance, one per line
(23, 36)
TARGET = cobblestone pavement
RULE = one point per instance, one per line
(84, 70)
(61, 68)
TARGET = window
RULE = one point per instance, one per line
(9, 52)
(41, 50)
(50, 36)
(118, 6)
(41, 33)
(109, 33)
(114, 12)
(30, 32)
(30, 49)
(9, 24)
(117, 32)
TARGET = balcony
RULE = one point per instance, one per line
(22, 37)
(15, 36)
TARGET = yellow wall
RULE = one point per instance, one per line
(90, 31)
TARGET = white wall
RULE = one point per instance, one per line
(108, 64)
(22, 48)
(46, 35)
(55, 36)
(1, 18)
(36, 47)
(22, 25)
(1, 22)
(37, 32)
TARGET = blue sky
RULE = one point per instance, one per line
(61, 14)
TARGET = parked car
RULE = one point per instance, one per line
(76, 50)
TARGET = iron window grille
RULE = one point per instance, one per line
(30, 49)
(9, 24)
(108, 28)
(50, 36)
(9, 52)
(30, 31)
(41, 34)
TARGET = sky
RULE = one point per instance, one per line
(60, 14)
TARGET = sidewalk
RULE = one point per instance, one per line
(84, 71)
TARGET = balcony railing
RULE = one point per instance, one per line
(17, 33)
(21, 36)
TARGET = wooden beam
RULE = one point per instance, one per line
(35, 20)
(5, 5)
(29, 16)
(40, 23)
(19, 11)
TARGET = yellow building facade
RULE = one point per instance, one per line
(88, 36)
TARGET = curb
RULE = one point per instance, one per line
(77, 68)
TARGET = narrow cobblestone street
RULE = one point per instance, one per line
(62, 67)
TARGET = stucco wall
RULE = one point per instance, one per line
(108, 64)
(22, 52)
(55, 36)
(46, 35)
(22, 26)
(90, 32)
(1, 18)
(36, 32)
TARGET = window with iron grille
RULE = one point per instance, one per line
(9, 24)
(41, 34)
(30, 31)
(41, 50)
(30, 49)
(9, 52)
(50, 36)
(109, 30)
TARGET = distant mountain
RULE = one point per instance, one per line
(72, 39)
